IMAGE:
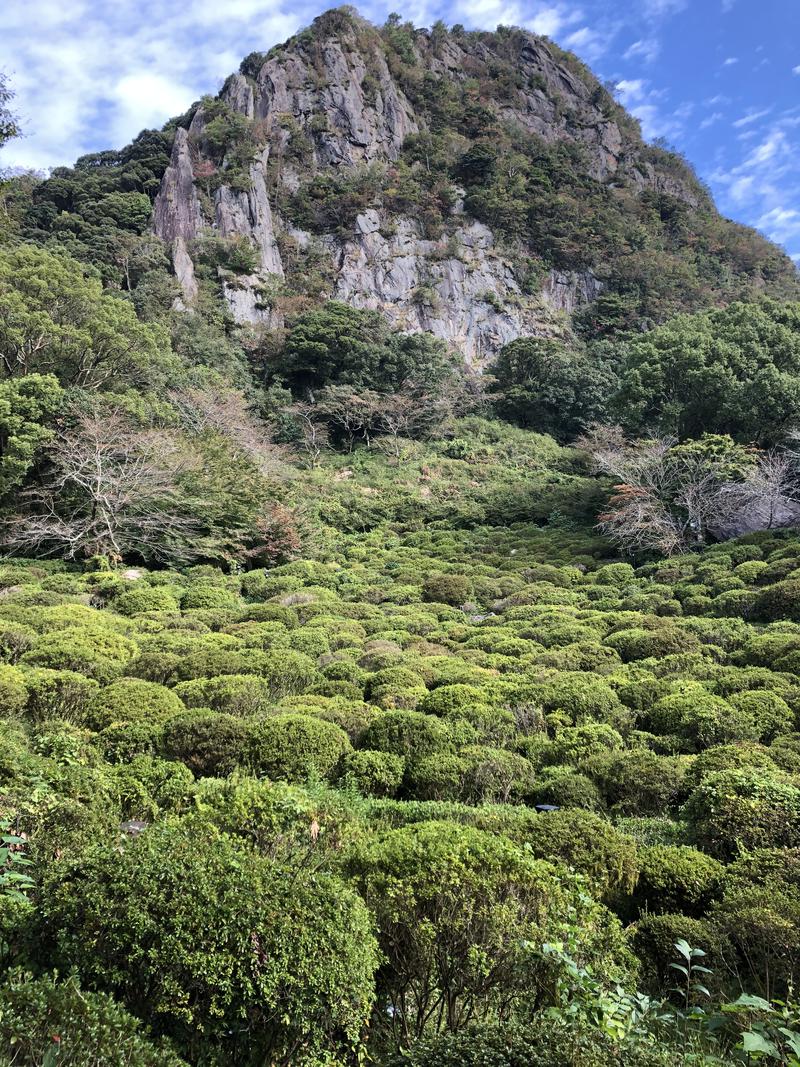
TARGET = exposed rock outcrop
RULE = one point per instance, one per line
(336, 93)
(177, 216)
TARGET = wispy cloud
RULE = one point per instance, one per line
(751, 115)
(646, 104)
(730, 61)
(765, 185)
(709, 120)
(660, 8)
(647, 49)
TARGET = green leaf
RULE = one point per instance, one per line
(684, 948)
(755, 1042)
(748, 1000)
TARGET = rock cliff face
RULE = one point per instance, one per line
(333, 92)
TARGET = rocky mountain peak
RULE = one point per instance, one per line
(428, 174)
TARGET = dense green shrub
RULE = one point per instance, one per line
(169, 922)
(636, 644)
(446, 588)
(129, 700)
(99, 654)
(582, 697)
(771, 715)
(638, 782)
(208, 742)
(56, 694)
(588, 843)
(676, 878)
(408, 733)
(701, 720)
(143, 598)
(373, 774)
(295, 747)
(455, 907)
(236, 694)
(567, 789)
(45, 1020)
(13, 691)
(653, 940)
(744, 809)
(778, 601)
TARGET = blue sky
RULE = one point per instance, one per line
(719, 79)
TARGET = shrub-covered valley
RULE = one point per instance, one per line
(400, 664)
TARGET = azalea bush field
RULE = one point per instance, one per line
(288, 815)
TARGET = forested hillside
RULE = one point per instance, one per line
(400, 581)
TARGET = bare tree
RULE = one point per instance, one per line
(111, 489)
(313, 430)
(769, 495)
(226, 412)
(671, 497)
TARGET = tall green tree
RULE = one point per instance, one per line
(26, 406)
(56, 319)
(543, 385)
(341, 345)
(735, 370)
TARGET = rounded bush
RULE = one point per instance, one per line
(235, 694)
(206, 595)
(58, 694)
(568, 789)
(456, 908)
(653, 939)
(638, 781)
(206, 937)
(99, 654)
(13, 691)
(677, 878)
(636, 643)
(208, 742)
(701, 720)
(293, 747)
(129, 700)
(619, 574)
(582, 697)
(374, 774)
(44, 1015)
(737, 756)
(779, 601)
(144, 598)
(451, 699)
(589, 844)
(409, 734)
(452, 589)
(744, 809)
(770, 714)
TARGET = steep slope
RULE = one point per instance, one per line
(470, 184)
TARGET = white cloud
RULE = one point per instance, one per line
(750, 116)
(710, 120)
(729, 62)
(783, 223)
(796, 70)
(765, 184)
(590, 44)
(631, 90)
(647, 49)
(661, 8)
